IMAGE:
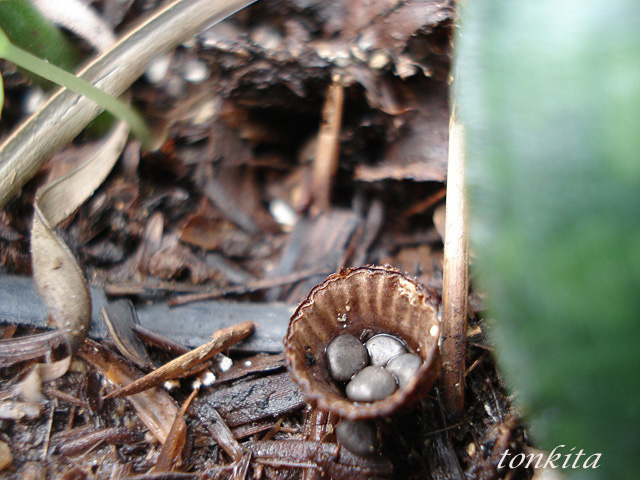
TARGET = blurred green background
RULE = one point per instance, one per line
(549, 93)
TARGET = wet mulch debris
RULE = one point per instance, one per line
(247, 199)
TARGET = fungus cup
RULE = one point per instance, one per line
(363, 302)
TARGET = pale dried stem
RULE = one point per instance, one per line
(455, 272)
(325, 163)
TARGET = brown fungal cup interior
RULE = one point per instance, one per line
(362, 301)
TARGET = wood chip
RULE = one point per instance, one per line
(337, 462)
(191, 325)
(218, 429)
(255, 399)
(260, 363)
(320, 243)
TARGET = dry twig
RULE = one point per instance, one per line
(455, 273)
(325, 163)
(221, 340)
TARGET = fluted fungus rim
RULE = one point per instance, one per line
(421, 382)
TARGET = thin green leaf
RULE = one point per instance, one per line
(29, 29)
(30, 62)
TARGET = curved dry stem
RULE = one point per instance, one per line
(56, 272)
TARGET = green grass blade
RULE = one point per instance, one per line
(30, 62)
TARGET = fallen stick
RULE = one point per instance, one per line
(455, 276)
(221, 340)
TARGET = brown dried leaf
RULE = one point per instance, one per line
(154, 407)
(170, 458)
(214, 234)
(175, 260)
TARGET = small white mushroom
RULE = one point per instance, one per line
(345, 357)
(370, 385)
(358, 437)
(403, 367)
(384, 347)
(195, 71)
(157, 68)
(33, 98)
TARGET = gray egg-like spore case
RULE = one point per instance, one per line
(346, 356)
